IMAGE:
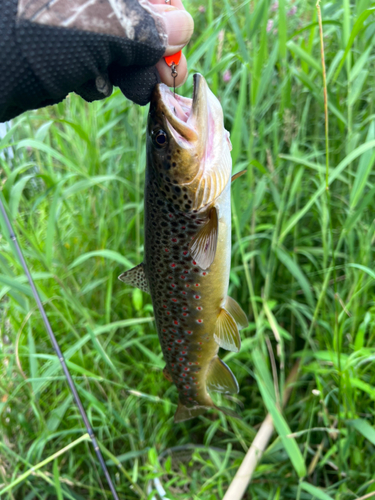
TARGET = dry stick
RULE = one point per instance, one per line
(244, 474)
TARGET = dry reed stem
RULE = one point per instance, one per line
(244, 474)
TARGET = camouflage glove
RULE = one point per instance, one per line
(50, 48)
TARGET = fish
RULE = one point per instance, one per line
(187, 253)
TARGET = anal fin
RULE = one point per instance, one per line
(220, 377)
(226, 332)
(136, 277)
(203, 246)
(236, 312)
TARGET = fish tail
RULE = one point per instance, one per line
(184, 413)
(228, 412)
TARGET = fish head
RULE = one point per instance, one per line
(188, 146)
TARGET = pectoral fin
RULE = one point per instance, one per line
(220, 378)
(136, 277)
(235, 310)
(237, 175)
(226, 332)
(203, 246)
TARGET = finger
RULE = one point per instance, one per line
(179, 27)
(165, 72)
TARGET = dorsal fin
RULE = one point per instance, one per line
(226, 332)
(237, 175)
(236, 311)
(203, 246)
(220, 378)
(136, 277)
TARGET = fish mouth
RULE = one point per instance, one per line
(185, 118)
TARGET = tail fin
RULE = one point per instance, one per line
(184, 413)
(228, 412)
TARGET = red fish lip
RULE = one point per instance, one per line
(182, 113)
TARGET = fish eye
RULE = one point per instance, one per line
(160, 138)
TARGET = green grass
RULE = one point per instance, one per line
(302, 268)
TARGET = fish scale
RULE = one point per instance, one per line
(178, 286)
(186, 264)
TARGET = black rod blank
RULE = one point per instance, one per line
(58, 351)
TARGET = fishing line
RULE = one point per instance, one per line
(59, 354)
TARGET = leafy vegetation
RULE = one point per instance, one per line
(302, 268)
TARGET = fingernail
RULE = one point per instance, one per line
(180, 26)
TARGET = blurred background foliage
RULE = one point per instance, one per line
(72, 178)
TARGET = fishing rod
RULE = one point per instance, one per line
(57, 349)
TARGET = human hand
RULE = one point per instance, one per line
(48, 49)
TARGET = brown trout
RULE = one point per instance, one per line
(188, 244)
